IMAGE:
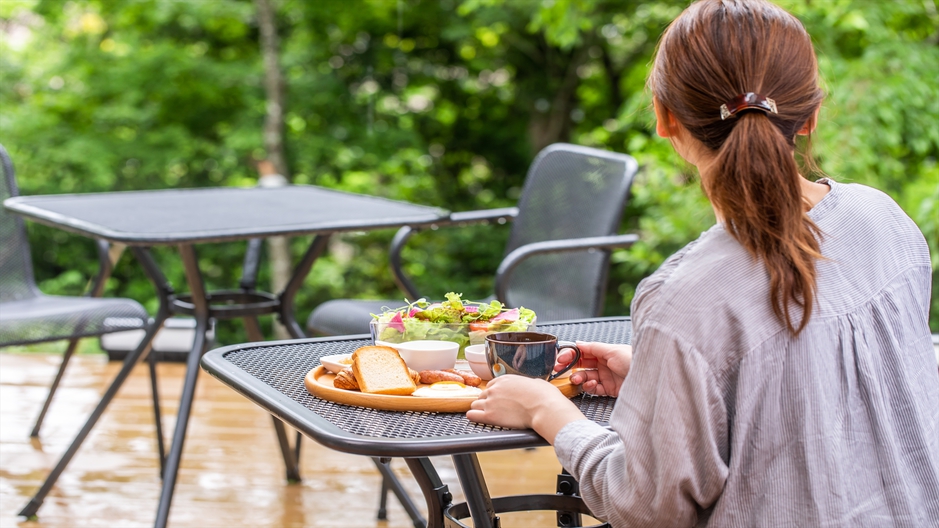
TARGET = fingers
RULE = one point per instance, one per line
(601, 350)
(582, 376)
(589, 381)
(595, 388)
(565, 357)
(477, 412)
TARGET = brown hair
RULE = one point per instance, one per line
(713, 52)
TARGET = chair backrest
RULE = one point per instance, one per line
(16, 268)
(570, 192)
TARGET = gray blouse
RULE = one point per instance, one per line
(726, 419)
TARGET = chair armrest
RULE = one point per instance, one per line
(516, 257)
(500, 215)
(108, 255)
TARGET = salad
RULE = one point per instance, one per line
(463, 322)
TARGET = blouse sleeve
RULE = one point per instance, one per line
(666, 457)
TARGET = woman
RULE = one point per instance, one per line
(782, 372)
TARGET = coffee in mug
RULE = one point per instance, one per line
(530, 354)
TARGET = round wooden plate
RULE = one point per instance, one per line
(319, 382)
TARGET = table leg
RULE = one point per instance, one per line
(199, 300)
(286, 315)
(317, 247)
(568, 485)
(435, 492)
(164, 294)
(107, 257)
(291, 455)
(157, 418)
(129, 362)
(291, 463)
(477, 494)
(390, 481)
(72, 344)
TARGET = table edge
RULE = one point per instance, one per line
(20, 205)
(327, 434)
(324, 432)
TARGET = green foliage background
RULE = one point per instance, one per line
(436, 102)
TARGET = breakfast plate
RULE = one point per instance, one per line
(319, 382)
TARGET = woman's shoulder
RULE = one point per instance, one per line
(711, 275)
(847, 202)
(855, 214)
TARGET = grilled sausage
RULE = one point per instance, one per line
(433, 376)
(468, 377)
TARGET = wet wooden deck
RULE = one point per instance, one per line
(231, 473)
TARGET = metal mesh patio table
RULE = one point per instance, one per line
(185, 217)
(271, 375)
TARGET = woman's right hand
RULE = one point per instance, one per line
(608, 365)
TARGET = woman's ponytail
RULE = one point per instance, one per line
(716, 52)
(754, 182)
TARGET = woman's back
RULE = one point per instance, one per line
(781, 370)
(837, 425)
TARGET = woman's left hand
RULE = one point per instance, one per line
(518, 402)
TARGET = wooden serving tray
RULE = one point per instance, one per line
(319, 382)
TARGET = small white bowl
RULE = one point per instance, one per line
(476, 356)
(427, 354)
(336, 362)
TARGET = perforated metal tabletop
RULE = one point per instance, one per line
(271, 375)
(218, 214)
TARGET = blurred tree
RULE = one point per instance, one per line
(276, 163)
(442, 103)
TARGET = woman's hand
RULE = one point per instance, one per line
(611, 364)
(518, 402)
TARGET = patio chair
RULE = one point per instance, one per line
(558, 251)
(28, 316)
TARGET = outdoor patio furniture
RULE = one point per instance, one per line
(186, 217)
(558, 251)
(29, 316)
(272, 376)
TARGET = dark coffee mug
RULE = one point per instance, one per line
(531, 354)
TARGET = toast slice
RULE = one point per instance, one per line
(380, 370)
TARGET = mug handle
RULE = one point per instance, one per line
(561, 346)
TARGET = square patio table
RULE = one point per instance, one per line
(271, 375)
(183, 218)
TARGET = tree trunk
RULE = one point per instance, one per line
(278, 247)
(554, 125)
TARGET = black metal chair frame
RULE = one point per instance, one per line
(523, 253)
(108, 256)
(516, 257)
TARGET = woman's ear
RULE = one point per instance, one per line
(665, 123)
(809, 125)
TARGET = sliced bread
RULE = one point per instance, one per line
(380, 370)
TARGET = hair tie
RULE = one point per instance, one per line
(747, 101)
